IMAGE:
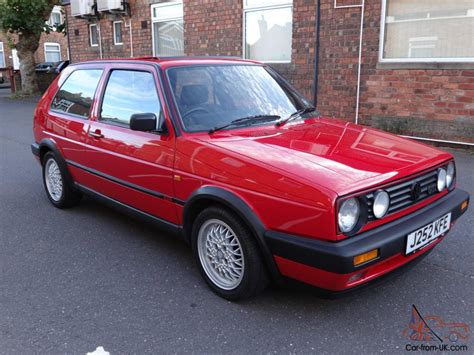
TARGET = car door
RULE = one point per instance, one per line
(132, 167)
(67, 123)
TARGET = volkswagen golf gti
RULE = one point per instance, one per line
(232, 158)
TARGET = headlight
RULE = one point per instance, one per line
(348, 214)
(381, 203)
(441, 179)
(450, 175)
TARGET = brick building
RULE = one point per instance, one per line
(413, 73)
(53, 46)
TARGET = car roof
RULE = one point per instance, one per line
(176, 61)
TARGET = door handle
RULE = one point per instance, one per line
(96, 134)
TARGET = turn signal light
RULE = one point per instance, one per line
(363, 258)
(464, 205)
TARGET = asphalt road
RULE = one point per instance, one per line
(73, 280)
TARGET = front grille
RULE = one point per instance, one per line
(401, 194)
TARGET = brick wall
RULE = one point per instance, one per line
(430, 102)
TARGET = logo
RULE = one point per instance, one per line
(432, 189)
(415, 191)
(441, 335)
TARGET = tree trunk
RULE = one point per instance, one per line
(26, 47)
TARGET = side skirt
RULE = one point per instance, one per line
(132, 211)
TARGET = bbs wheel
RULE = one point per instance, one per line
(227, 254)
(58, 190)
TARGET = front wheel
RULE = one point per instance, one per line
(227, 255)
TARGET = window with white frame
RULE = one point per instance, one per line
(117, 32)
(268, 30)
(2, 56)
(52, 52)
(427, 31)
(93, 35)
(55, 19)
(168, 28)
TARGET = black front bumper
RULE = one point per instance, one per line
(389, 239)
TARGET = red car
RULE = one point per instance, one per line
(226, 153)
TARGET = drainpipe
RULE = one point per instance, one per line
(316, 52)
(100, 39)
(359, 65)
(131, 36)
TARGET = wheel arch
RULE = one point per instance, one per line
(212, 195)
(48, 145)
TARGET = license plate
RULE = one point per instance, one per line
(424, 236)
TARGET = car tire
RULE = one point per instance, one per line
(227, 255)
(59, 191)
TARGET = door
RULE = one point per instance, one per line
(16, 60)
(132, 167)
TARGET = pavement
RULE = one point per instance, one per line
(74, 280)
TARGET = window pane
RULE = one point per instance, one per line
(76, 94)
(118, 32)
(52, 56)
(268, 34)
(169, 38)
(168, 11)
(93, 34)
(211, 96)
(429, 29)
(127, 93)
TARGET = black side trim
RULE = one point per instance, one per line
(390, 238)
(237, 205)
(126, 184)
(35, 149)
(129, 210)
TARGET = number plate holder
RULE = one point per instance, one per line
(426, 235)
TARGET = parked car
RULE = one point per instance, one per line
(43, 67)
(52, 67)
(228, 155)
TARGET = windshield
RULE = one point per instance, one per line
(213, 96)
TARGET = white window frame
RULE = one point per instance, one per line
(252, 8)
(2, 51)
(49, 51)
(121, 31)
(166, 19)
(90, 35)
(413, 60)
(56, 10)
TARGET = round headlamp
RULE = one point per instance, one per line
(441, 179)
(450, 171)
(381, 203)
(348, 214)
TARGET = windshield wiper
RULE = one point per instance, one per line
(295, 115)
(243, 120)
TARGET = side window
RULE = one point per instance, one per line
(76, 94)
(129, 92)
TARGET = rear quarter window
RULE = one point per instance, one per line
(77, 92)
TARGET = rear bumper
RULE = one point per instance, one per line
(329, 265)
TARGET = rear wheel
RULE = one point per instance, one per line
(58, 190)
(227, 255)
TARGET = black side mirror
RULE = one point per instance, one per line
(147, 122)
(144, 122)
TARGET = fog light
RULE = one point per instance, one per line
(363, 258)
